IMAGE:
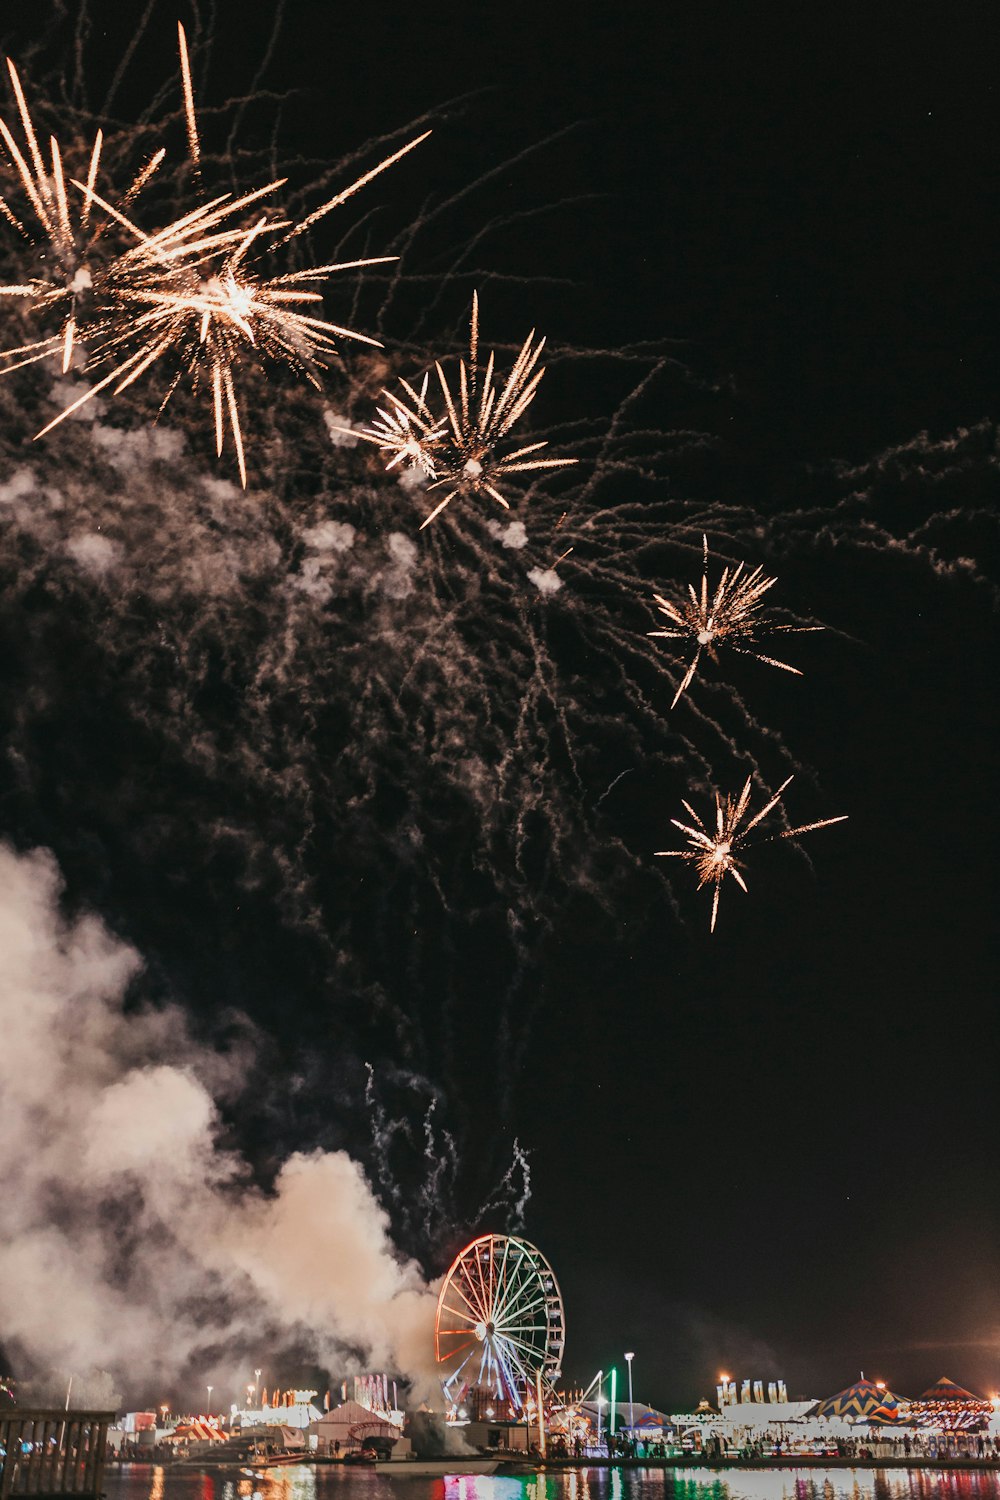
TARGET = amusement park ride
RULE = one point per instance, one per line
(500, 1331)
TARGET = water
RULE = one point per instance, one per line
(147, 1482)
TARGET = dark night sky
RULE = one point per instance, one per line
(772, 1150)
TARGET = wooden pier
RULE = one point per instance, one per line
(53, 1453)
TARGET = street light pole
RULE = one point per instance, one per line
(600, 1403)
(628, 1360)
(211, 1388)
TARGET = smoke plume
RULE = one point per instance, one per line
(129, 1226)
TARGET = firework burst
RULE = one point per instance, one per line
(67, 272)
(714, 855)
(189, 292)
(459, 447)
(730, 616)
(407, 432)
(482, 418)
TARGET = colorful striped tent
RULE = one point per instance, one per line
(862, 1402)
(950, 1407)
(197, 1430)
(946, 1390)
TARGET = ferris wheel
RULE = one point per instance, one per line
(499, 1320)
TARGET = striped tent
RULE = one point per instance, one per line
(948, 1406)
(197, 1430)
(862, 1402)
(946, 1390)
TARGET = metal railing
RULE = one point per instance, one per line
(49, 1453)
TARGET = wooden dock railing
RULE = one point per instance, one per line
(53, 1453)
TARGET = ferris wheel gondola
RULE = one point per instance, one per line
(500, 1323)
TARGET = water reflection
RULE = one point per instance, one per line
(303, 1482)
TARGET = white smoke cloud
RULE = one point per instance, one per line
(95, 554)
(145, 445)
(397, 580)
(130, 1234)
(514, 535)
(330, 536)
(546, 580)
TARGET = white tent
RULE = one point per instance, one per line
(349, 1426)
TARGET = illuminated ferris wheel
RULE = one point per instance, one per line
(499, 1320)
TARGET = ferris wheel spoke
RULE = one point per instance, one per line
(493, 1281)
(453, 1378)
(467, 1314)
(520, 1309)
(513, 1288)
(477, 1310)
(456, 1349)
(457, 1333)
(477, 1293)
(512, 1367)
(511, 1348)
(487, 1300)
(520, 1344)
(524, 1271)
(473, 1277)
(503, 1263)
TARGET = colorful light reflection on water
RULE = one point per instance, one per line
(151, 1482)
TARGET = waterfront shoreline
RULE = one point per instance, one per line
(791, 1461)
(515, 1464)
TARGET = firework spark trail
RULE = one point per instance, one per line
(190, 120)
(714, 854)
(210, 319)
(428, 1213)
(188, 291)
(730, 616)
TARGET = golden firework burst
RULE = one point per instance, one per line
(468, 460)
(407, 432)
(731, 615)
(189, 292)
(66, 276)
(714, 854)
(459, 447)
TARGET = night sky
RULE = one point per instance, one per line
(769, 1150)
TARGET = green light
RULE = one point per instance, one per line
(614, 1402)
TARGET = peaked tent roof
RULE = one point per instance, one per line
(202, 1432)
(862, 1402)
(946, 1390)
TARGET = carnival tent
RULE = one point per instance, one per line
(946, 1390)
(350, 1426)
(950, 1407)
(862, 1402)
(196, 1431)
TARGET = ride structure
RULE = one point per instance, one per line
(500, 1330)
